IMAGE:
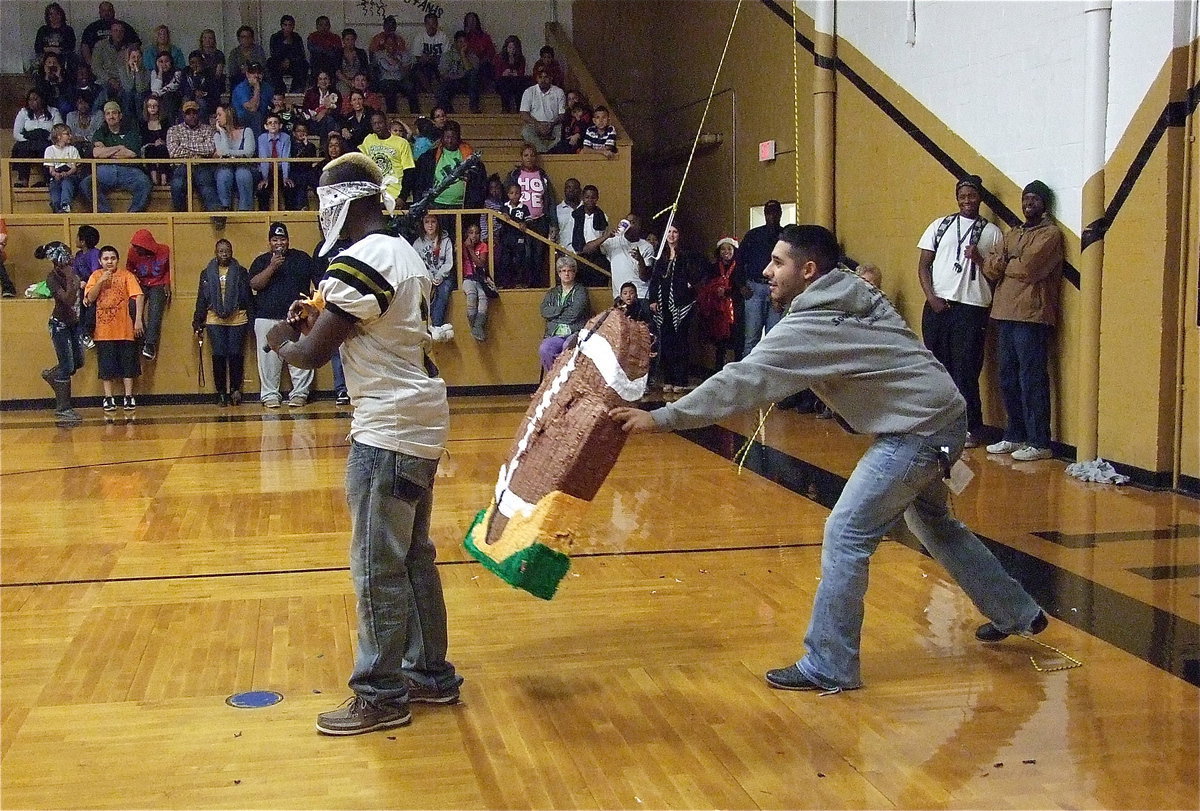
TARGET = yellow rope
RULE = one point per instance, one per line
(796, 101)
(1072, 662)
(740, 456)
(700, 130)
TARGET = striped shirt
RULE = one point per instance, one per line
(381, 285)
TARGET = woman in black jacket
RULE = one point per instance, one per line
(672, 296)
(224, 305)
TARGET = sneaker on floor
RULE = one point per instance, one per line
(88, 343)
(109, 404)
(297, 401)
(972, 441)
(8, 294)
(235, 397)
(130, 404)
(356, 716)
(65, 210)
(342, 399)
(1004, 446)
(790, 678)
(420, 694)
(1031, 454)
(272, 402)
(990, 633)
(148, 353)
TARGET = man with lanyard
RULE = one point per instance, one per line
(374, 299)
(841, 336)
(754, 254)
(957, 294)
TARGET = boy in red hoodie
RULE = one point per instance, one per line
(150, 263)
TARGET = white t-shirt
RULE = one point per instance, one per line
(54, 155)
(381, 284)
(544, 106)
(955, 278)
(566, 223)
(624, 268)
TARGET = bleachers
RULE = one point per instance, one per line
(508, 357)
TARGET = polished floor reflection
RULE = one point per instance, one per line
(153, 568)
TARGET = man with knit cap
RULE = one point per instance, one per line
(957, 294)
(1027, 269)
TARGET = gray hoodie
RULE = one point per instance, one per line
(843, 339)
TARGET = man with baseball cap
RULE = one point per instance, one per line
(193, 139)
(279, 277)
(116, 141)
(252, 98)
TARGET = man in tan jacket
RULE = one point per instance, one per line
(1027, 270)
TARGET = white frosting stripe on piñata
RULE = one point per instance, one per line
(597, 348)
(601, 353)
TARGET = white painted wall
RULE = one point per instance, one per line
(1008, 75)
(20, 19)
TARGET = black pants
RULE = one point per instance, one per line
(673, 350)
(228, 345)
(6, 283)
(956, 338)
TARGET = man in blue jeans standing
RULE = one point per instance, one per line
(841, 337)
(374, 298)
(754, 253)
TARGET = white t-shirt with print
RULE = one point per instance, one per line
(624, 268)
(381, 284)
(956, 278)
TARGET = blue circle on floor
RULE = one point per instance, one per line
(254, 699)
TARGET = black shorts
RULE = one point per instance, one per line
(118, 359)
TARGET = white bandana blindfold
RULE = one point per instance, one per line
(333, 202)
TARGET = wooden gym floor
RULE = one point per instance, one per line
(153, 568)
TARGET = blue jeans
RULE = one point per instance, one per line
(204, 180)
(401, 611)
(111, 176)
(62, 192)
(899, 475)
(243, 176)
(68, 347)
(156, 308)
(760, 314)
(1023, 350)
(441, 302)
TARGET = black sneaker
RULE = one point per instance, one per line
(109, 404)
(342, 399)
(990, 633)
(790, 678)
(356, 716)
(420, 694)
(130, 403)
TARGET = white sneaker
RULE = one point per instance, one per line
(1004, 446)
(1031, 454)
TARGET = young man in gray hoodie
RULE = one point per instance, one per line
(843, 339)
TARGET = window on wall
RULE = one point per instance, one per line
(757, 218)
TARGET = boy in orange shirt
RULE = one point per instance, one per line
(110, 288)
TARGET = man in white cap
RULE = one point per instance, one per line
(372, 304)
(278, 277)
